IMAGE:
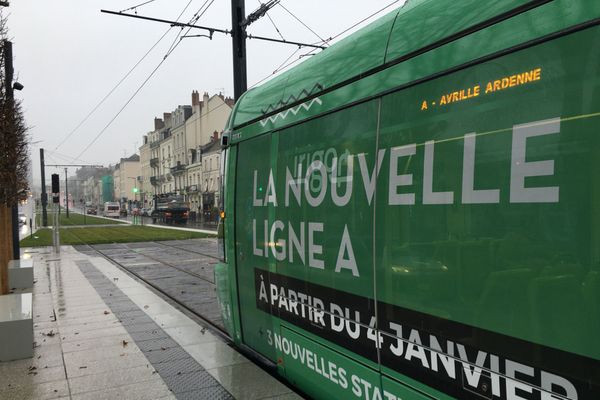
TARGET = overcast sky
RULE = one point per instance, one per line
(69, 55)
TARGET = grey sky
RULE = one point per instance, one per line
(68, 56)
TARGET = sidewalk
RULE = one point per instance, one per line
(100, 334)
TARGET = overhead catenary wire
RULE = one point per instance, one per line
(111, 91)
(66, 157)
(190, 26)
(276, 69)
(303, 24)
(272, 22)
(284, 66)
(138, 5)
(362, 20)
(209, 29)
(275, 26)
(196, 17)
(259, 13)
(123, 107)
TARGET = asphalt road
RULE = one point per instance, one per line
(148, 220)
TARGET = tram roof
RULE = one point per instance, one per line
(412, 27)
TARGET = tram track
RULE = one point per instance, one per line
(175, 266)
(188, 250)
(161, 290)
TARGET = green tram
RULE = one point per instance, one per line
(414, 213)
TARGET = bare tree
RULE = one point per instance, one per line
(14, 162)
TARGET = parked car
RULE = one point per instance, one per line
(22, 219)
(92, 211)
(123, 212)
(146, 212)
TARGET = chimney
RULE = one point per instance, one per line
(215, 135)
(195, 98)
(205, 98)
(167, 119)
(158, 124)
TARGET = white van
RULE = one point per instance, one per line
(111, 209)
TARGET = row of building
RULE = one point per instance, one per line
(181, 156)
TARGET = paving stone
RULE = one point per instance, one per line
(179, 370)
(148, 335)
(159, 356)
(142, 327)
(210, 393)
(119, 307)
(177, 367)
(190, 381)
(156, 344)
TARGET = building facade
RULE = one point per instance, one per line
(145, 188)
(126, 176)
(183, 151)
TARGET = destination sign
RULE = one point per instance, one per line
(489, 87)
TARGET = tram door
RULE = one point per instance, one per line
(252, 209)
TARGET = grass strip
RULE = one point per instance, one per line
(104, 235)
(76, 218)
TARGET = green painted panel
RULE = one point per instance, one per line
(544, 20)
(420, 23)
(349, 57)
(478, 205)
(230, 246)
(295, 221)
(254, 155)
(435, 20)
(337, 212)
(451, 242)
(224, 296)
(487, 214)
(325, 374)
(404, 392)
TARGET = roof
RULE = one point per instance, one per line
(212, 147)
(402, 32)
(133, 158)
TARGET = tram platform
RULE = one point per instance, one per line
(101, 334)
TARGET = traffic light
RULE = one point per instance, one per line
(135, 190)
(55, 184)
(55, 189)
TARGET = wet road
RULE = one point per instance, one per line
(192, 224)
(181, 269)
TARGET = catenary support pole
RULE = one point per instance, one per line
(240, 80)
(67, 193)
(44, 194)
